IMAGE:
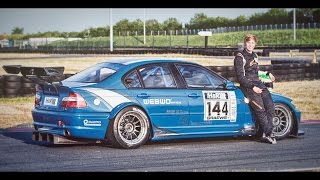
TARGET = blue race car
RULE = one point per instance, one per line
(128, 102)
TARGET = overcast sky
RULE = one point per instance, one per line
(77, 19)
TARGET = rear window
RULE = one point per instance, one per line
(95, 73)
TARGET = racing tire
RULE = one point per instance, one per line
(129, 129)
(12, 78)
(283, 121)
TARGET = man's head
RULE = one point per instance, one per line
(250, 42)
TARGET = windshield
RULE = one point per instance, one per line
(95, 73)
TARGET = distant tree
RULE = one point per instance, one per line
(122, 26)
(217, 22)
(240, 21)
(98, 32)
(171, 24)
(198, 21)
(137, 26)
(74, 34)
(316, 15)
(306, 15)
(3, 36)
(153, 25)
(17, 30)
(273, 16)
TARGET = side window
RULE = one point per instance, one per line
(132, 80)
(157, 76)
(105, 72)
(99, 75)
(197, 77)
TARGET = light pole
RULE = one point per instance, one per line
(294, 24)
(111, 31)
(144, 26)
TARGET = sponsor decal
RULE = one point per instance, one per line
(160, 101)
(87, 122)
(96, 102)
(219, 105)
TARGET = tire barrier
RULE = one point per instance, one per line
(14, 85)
(1, 87)
(23, 86)
(282, 72)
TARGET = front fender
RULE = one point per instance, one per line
(278, 98)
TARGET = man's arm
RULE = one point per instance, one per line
(239, 68)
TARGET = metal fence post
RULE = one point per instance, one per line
(170, 38)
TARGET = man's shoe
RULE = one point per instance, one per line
(271, 140)
(273, 137)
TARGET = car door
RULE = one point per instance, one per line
(213, 108)
(155, 88)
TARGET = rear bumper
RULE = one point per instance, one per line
(71, 125)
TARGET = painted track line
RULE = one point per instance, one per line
(310, 121)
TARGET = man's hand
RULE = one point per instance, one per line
(272, 77)
(257, 90)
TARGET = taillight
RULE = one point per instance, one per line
(37, 99)
(74, 100)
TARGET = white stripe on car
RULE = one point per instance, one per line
(111, 97)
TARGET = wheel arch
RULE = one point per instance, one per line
(121, 106)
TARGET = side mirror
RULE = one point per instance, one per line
(229, 85)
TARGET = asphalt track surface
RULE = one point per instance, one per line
(20, 154)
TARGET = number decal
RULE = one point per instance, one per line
(225, 108)
(219, 105)
(209, 108)
(216, 108)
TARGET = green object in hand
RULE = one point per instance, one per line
(264, 76)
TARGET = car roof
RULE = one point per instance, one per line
(144, 61)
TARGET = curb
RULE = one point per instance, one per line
(310, 121)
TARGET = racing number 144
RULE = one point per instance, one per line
(217, 108)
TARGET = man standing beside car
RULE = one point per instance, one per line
(246, 67)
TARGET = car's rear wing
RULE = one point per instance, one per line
(12, 69)
(38, 71)
(46, 74)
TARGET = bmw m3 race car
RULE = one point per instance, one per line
(129, 102)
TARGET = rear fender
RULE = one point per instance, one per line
(121, 106)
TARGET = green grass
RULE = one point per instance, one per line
(230, 39)
(16, 100)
